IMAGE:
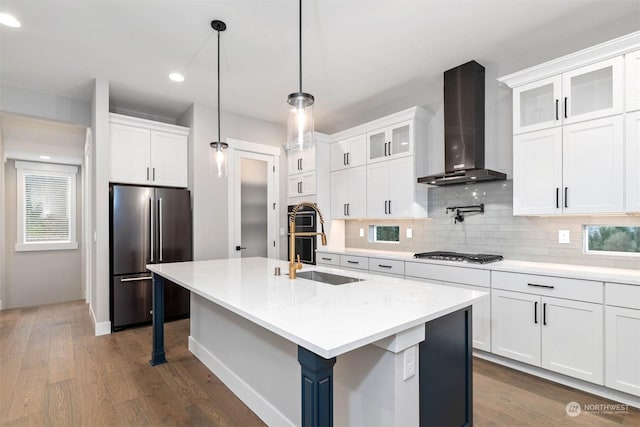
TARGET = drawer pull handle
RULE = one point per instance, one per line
(540, 286)
(353, 262)
(385, 266)
(327, 259)
(135, 279)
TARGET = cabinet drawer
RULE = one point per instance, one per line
(620, 295)
(559, 287)
(328, 259)
(467, 276)
(390, 266)
(352, 261)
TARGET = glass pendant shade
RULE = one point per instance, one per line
(300, 122)
(218, 159)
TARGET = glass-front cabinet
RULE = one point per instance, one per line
(586, 93)
(390, 142)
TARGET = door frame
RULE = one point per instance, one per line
(239, 147)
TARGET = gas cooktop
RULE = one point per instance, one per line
(456, 256)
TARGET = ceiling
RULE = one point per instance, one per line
(357, 55)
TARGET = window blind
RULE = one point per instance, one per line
(47, 208)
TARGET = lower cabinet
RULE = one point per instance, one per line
(560, 335)
(481, 318)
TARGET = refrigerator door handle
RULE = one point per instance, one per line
(151, 228)
(160, 228)
(135, 279)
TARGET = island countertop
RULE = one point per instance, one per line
(328, 320)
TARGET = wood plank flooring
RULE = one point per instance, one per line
(53, 371)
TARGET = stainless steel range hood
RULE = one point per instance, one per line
(463, 128)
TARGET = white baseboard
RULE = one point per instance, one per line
(598, 390)
(250, 397)
(99, 328)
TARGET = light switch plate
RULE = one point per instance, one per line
(409, 233)
(563, 236)
(362, 232)
(409, 363)
(282, 231)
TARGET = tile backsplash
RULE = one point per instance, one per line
(496, 231)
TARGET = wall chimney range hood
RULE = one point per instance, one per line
(463, 129)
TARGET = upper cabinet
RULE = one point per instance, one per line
(301, 161)
(147, 152)
(632, 88)
(390, 142)
(569, 130)
(349, 153)
(585, 93)
(308, 173)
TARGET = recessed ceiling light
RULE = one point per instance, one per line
(176, 77)
(45, 157)
(9, 20)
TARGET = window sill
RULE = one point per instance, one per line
(46, 246)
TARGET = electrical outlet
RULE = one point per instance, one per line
(362, 232)
(563, 236)
(409, 233)
(409, 363)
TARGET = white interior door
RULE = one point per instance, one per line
(253, 219)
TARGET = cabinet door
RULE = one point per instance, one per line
(623, 349)
(339, 194)
(293, 186)
(481, 318)
(308, 183)
(130, 154)
(339, 152)
(515, 319)
(357, 196)
(572, 338)
(168, 159)
(378, 190)
(357, 153)
(537, 106)
(593, 91)
(537, 172)
(632, 86)
(593, 166)
(633, 162)
(401, 185)
(293, 162)
(377, 145)
(301, 161)
(401, 139)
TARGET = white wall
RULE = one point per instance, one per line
(57, 108)
(2, 228)
(209, 193)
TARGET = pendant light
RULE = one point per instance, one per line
(300, 121)
(219, 155)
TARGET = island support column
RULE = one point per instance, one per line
(157, 352)
(317, 389)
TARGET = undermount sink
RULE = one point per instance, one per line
(329, 278)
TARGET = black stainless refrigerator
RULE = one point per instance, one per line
(147, 226)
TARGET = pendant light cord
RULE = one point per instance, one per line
(300, 42)
(219, 140)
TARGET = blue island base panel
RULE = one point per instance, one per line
(157, 353)
(317, 389)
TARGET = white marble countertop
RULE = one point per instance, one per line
(326, 319)
(585, 272)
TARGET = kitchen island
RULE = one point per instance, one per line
(381, 351)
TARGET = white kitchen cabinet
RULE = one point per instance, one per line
(543, 327)
(573, 169)
(349, 193)
(389, 142)
(301, 161)
(302, 184)
(148, 153)
(632, 156)
(622, 331)
(584, 93)
(349, 153)
(481, 316)
(390, 188)
(632, 83)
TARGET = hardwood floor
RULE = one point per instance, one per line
(53, 371)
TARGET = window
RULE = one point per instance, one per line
(46, 207)
(612, 240)
(384, 233)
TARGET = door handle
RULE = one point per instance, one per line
(566, 201)
(160, 228)
(544, 314)
(557, 197)
(344, 159)
(344, 209)
(535, 312)
(348, 161)
(152, 230)
(557, 103)
(147, 173)
(389, 204)
(349, 209)
(353, 262)
(385, 266)
(153, 173)
(385, 207)
(238, 248)
(389, 148)
(135, 279)
(565, 108)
